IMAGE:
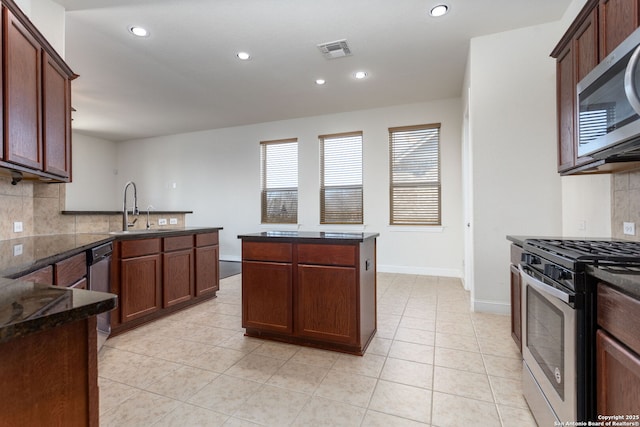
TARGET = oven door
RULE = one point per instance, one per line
(548, 349)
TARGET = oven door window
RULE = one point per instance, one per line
(545, 338)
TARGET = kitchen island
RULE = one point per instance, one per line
(310, 288)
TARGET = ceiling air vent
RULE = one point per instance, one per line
(336, 49)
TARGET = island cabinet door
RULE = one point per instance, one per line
(267, 299)
(327, 303)
(140, 286)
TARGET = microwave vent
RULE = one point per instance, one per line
(336, 49)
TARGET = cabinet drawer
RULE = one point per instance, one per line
(206, 239)
(619, 314)
(178, 242)
(44, 276)
(327, 254)
(261, 251)
(71, 270)
(134, 248)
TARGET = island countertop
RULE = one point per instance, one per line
(308, 236)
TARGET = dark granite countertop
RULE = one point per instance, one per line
(309, 236)
(161, 232)
(155, 212)
(627, 282)
(24, 255)
(27, 307)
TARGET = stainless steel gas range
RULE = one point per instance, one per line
(559, 324)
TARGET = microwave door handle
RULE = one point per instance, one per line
(543, 287)
(630, 88)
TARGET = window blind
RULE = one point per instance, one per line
(415, 190)
(279, 181)
(341, 178)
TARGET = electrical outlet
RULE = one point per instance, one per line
(629, 228)
(582, 225)
(17, 249)
(162, 221)
(17, 227)
(173, 221)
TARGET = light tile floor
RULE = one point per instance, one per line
(431, 363)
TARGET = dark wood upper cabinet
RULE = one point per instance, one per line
(56, 117)
(618, 19)
(566, 109)
(22, 103)
(599, 28)
(36, 101)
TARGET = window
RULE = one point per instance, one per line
(279, 176)
(414, 153)
(341, 178)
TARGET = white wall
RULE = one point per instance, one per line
(516, 189)
(216, 174)
(49, 18)
(94, 181)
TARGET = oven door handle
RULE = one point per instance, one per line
(543, 287)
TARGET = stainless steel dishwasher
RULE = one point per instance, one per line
(99, 278)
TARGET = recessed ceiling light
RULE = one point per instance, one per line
(320, 82)
(243, 55)
(360, 75)
(138, 31)
(439, 10)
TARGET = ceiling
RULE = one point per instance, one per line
(185, 75)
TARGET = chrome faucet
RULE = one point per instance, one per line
(148, 209)
(125, 216)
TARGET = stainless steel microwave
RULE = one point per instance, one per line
(609, 105)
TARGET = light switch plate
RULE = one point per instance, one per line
(629, 228)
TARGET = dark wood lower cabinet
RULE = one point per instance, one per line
(140, 291)
(270, 287)
(50, 378)
(177, 277)
(516, 306)
(327, 303)
(207, 273)
(317, 294)
(516, 295)
(618, 377)
(617, 353)
(155, 276)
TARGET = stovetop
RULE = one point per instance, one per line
(575, 254)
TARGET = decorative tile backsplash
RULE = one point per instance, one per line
(38, 205)
(625, 206)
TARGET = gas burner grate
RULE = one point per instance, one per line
(590, 251)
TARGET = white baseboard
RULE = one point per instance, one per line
(423, 271)
(236, 258)
(493, 307)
